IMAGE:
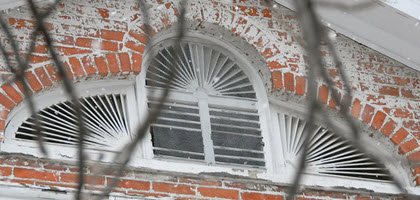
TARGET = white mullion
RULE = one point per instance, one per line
(206, 131)
(325, 146)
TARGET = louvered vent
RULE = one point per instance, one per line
(211, 116)
(200, 67)
(104, 116)
(236, 136)
(328, 153)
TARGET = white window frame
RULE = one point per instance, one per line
(146, 159)
(46, 98)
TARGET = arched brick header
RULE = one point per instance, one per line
(387, 93)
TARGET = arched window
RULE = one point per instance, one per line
(211, 115)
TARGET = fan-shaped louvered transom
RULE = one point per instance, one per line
(200, 67)
(328, 153)
(104, 117)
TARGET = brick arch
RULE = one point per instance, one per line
(120, 52)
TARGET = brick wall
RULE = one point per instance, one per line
(100, 39)
(61, 176)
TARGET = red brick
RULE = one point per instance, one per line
(135, 46)
(408, 146)
(173, 188)
(33, 81)
(300, 85)
(125, 62)
(52, 72)
(109, 46)
(414, 157)
(3, 113)
(136, 60)
(74, 178)
(138, 36)
(2, 125)
(132, 184)
(386, 90)
(85, 42)
(399, 136)
(43, 76)
(378, 120)
(289, 82)
(5, 171)
(88, 65)
(112, 63)
(112, 35)
(418, 180)
(69, 73)
(275, 65)
(6, 102)
(104, 13)
(12, 93)
(407, 93)
(356, 109)
(277, 77)
(368, 113)
(33, 174)
(389, 127)
(76, 67)
(258, 196)
(42, 49)
(101, 65)
(218, 193)
(39, 59)
(72, 51)
(323, 94)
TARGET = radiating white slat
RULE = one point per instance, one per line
(199, 66)
(103, 115)
(327, 152)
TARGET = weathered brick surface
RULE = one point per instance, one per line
(94, 40)
(33, 172)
